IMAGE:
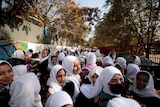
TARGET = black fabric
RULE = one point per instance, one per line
(4, 97)
(82, 101)
(16, 61)
(104, 98)
(69, 88)
(148, 101)
(43, 69)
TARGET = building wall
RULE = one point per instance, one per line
(27, 32)
(27, 37)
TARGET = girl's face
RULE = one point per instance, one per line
(94, 78)
(117, 79)
(142, 81)
(6, 74)
(77, 67)
(68, 105)
(131, 59)
(61, 77)
(54, 60)
(45, 53)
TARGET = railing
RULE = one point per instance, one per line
(155, 58)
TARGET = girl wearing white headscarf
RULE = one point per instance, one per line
(6, 78)
(107, 61)
(24, 91)
(17, 58)
(108, 85)
(112, 54)
(132, 70)
(122, 102)
(54, 84)
(143, 89)
(91, 59)
(18, 63)
(82, 100)
(135, 59)
(61, 57)
(122, 62)
(72, 66)
(59, 99)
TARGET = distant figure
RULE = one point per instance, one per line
(135, 59)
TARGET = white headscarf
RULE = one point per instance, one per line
(137, 60)
(19, 70)
(52, 82)
(122, 62)
(132, 70)
(24, 91)
(122, 102)
(148, 90)
(6, 62)
(91, 59)
(114, 57)
(107, 60)
(98, 53)
(19, 54)
(68, 64)
(61, 56)
(96, 70)
(46, 57)
(59, 99)
(86, 88)
(102, 81)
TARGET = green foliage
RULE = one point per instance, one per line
(130, 22)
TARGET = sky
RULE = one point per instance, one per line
(92, 4)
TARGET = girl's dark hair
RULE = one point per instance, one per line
(143, 73)
(53, 56)
(4, 63)
(35, 55)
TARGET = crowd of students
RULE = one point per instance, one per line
(75, 78)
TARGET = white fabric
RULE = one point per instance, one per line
(102, 81)
(91, 59)
(6, 62)
(148, 91)
(86, 88)
(122, 102)
(19, 54)
(19, 70)
(45, 58)
(98, 53)
(24, 91)
(97, 70)
(132, 70)
(59, 99)
(68, 64)
(122, 62)
(137, 60)
(107, 60)
(61, 56)
(114, 57)
(52, 82)
(49, 63)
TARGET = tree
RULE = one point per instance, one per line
(63, 17)
(130, 20)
